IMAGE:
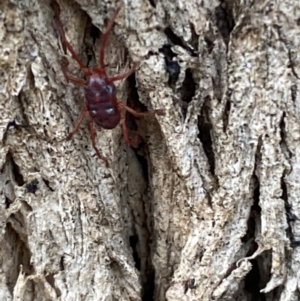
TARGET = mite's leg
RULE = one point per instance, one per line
(80, 118)
(123, 107)
(124, 75)
(135, 141)
(105, 37)
(93, 138)
(71, 78)
(66, 44)
(140, 114)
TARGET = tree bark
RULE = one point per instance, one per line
(206, 207)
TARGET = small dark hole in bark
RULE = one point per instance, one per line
(295, 243)
(17, 174)
(32, 187)
(255, 208)
(259, 276)
(189, 284)
(173, 67)
(204, 126)
(225, 22)
(148, 294)
(7, 202)
(252, 281)
(166, 50)
(176, 40)
(143, 162)
(294, 93)
(152, 3)
(11, 124)
(225, 116)
(254, 211)
(188, 87)
(290, 216)
(209, 44)
(194, 38)
(47, 183)
(283, 135)
(94, 32)
(134, 240)
(51, 281)
(187, 91)
(62, 264)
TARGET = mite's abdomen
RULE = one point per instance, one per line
(101, 99)
(105, 115)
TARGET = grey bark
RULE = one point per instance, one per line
(207, 208)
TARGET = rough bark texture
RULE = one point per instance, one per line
(207, 208)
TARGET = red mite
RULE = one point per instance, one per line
(102, 104)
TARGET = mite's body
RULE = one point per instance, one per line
(100, 92)
(102, 102)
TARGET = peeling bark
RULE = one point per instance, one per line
(206, 208)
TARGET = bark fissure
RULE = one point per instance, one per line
(206, 207)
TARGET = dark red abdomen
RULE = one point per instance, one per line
(102, 102)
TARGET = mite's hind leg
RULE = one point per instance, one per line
(133, 142)
(76, 128)
(140, 114)
(93, 138)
